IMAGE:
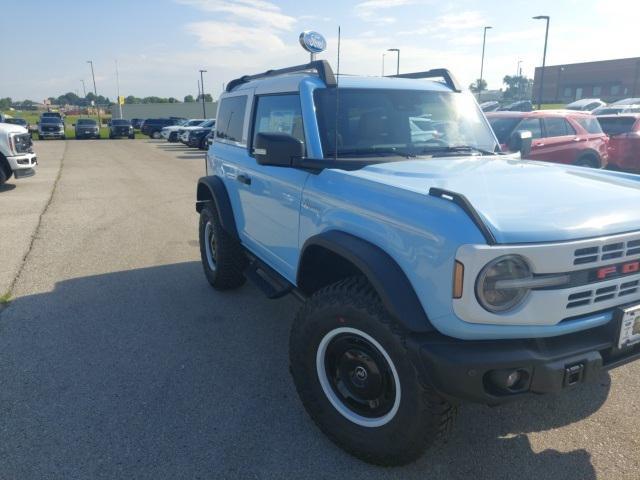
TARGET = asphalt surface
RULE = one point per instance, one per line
(117, 360)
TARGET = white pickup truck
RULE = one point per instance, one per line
(16, 152)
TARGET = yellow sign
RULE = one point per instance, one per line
(121, 100)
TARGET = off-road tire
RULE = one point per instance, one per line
(5, 171)
(230, 259)
(423, 417)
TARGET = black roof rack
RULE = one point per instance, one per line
(321, 66)
(448, 77)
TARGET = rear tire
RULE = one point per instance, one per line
(156, 135)
(223, 258)
(353, 373)
(589, 161)
(5, 171)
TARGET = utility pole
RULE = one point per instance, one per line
(383, 55)
(397, 50)
(484, 42)
(95, 92)
(519, 77)
(204, 111)
(118, 89)
(84, 88)
(544, 57)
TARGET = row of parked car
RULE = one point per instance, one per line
(592, 105)
(195, 132)
(574, 137)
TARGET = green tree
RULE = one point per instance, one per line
(480, 85)
(5, 103)
(518, 87)
(189, 99)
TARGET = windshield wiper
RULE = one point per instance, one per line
(374, 152)
(455, 149)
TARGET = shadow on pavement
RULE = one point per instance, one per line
(7, 187)
(149, 373)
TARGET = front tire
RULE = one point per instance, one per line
(223, 259)
(589, 161)
(156, 135)
(355, 378)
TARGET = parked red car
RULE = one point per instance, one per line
(559, 136)
(624, 140)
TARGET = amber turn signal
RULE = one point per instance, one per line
(458, 279)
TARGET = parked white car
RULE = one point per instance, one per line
(170, 133)
(16, 153)
(183, 132)
(586, 104)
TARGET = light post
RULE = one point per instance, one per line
(544, 56)
(397, 50)
(95, 92)
(84, 88)
(118, 89)
(484, 42)
(204, 111)
(383, 55)
(519, 77)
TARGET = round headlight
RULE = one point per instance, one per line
(492, 293)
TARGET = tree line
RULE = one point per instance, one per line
(71, 98)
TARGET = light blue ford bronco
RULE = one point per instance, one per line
(432, 268)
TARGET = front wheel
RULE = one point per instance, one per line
(223, 259)
(355, 378)
(589, 161)
(156, 135)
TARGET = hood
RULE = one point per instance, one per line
(12, 128)
(525, 201)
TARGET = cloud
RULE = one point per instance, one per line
(369, 10)
(260, 12)
(215, 34)
(451, 23)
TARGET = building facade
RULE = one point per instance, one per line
(164, 110)
(609, 80)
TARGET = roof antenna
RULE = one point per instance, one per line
(335, 133)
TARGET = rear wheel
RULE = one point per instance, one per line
(355, 378)
(156, 135)
(5, 171)
(223, 259)
(588, 161)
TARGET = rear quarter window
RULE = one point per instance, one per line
(617, 125)
(230, 118)
(590, 124)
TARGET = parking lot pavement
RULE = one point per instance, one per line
(117, 360)
(21, 205)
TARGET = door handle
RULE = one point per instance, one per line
(577, 139)
(242, 178)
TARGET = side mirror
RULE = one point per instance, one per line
(73, 124)
(277, 149)
(520, 141)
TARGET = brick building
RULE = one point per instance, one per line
(608, 79)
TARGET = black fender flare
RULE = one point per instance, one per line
(212, 188)
(381, 270)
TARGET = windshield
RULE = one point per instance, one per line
(50, 120)
(627, 101)
(617, 125)
(401, 122)
(193, 123)
(120, 123)
(86, 122)
(208, 124)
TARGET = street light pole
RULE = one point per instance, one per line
(519, 76)
(204, 112)
(484, 42)
(383, 55)
(118, 89)
(397, 50)
(84, 88)
(544, 57)
(95, 92)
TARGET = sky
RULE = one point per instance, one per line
(161, 44)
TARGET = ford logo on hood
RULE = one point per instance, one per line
(312, 42)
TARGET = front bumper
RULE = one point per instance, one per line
(51, 134)
(23, 165)
(464, 370)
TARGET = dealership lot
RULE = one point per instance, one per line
(117, 358)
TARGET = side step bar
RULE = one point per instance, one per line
(272, 284)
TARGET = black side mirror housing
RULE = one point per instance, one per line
(277, 149)
(520, 141)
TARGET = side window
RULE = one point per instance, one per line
(557, 127)
(230, 118)
(279, 114)
(533, 125)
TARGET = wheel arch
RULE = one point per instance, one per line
(590, 153)
(331, 256)
(212, 189)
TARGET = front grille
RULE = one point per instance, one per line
(23, 143)
(603, 294)
(611, 251)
